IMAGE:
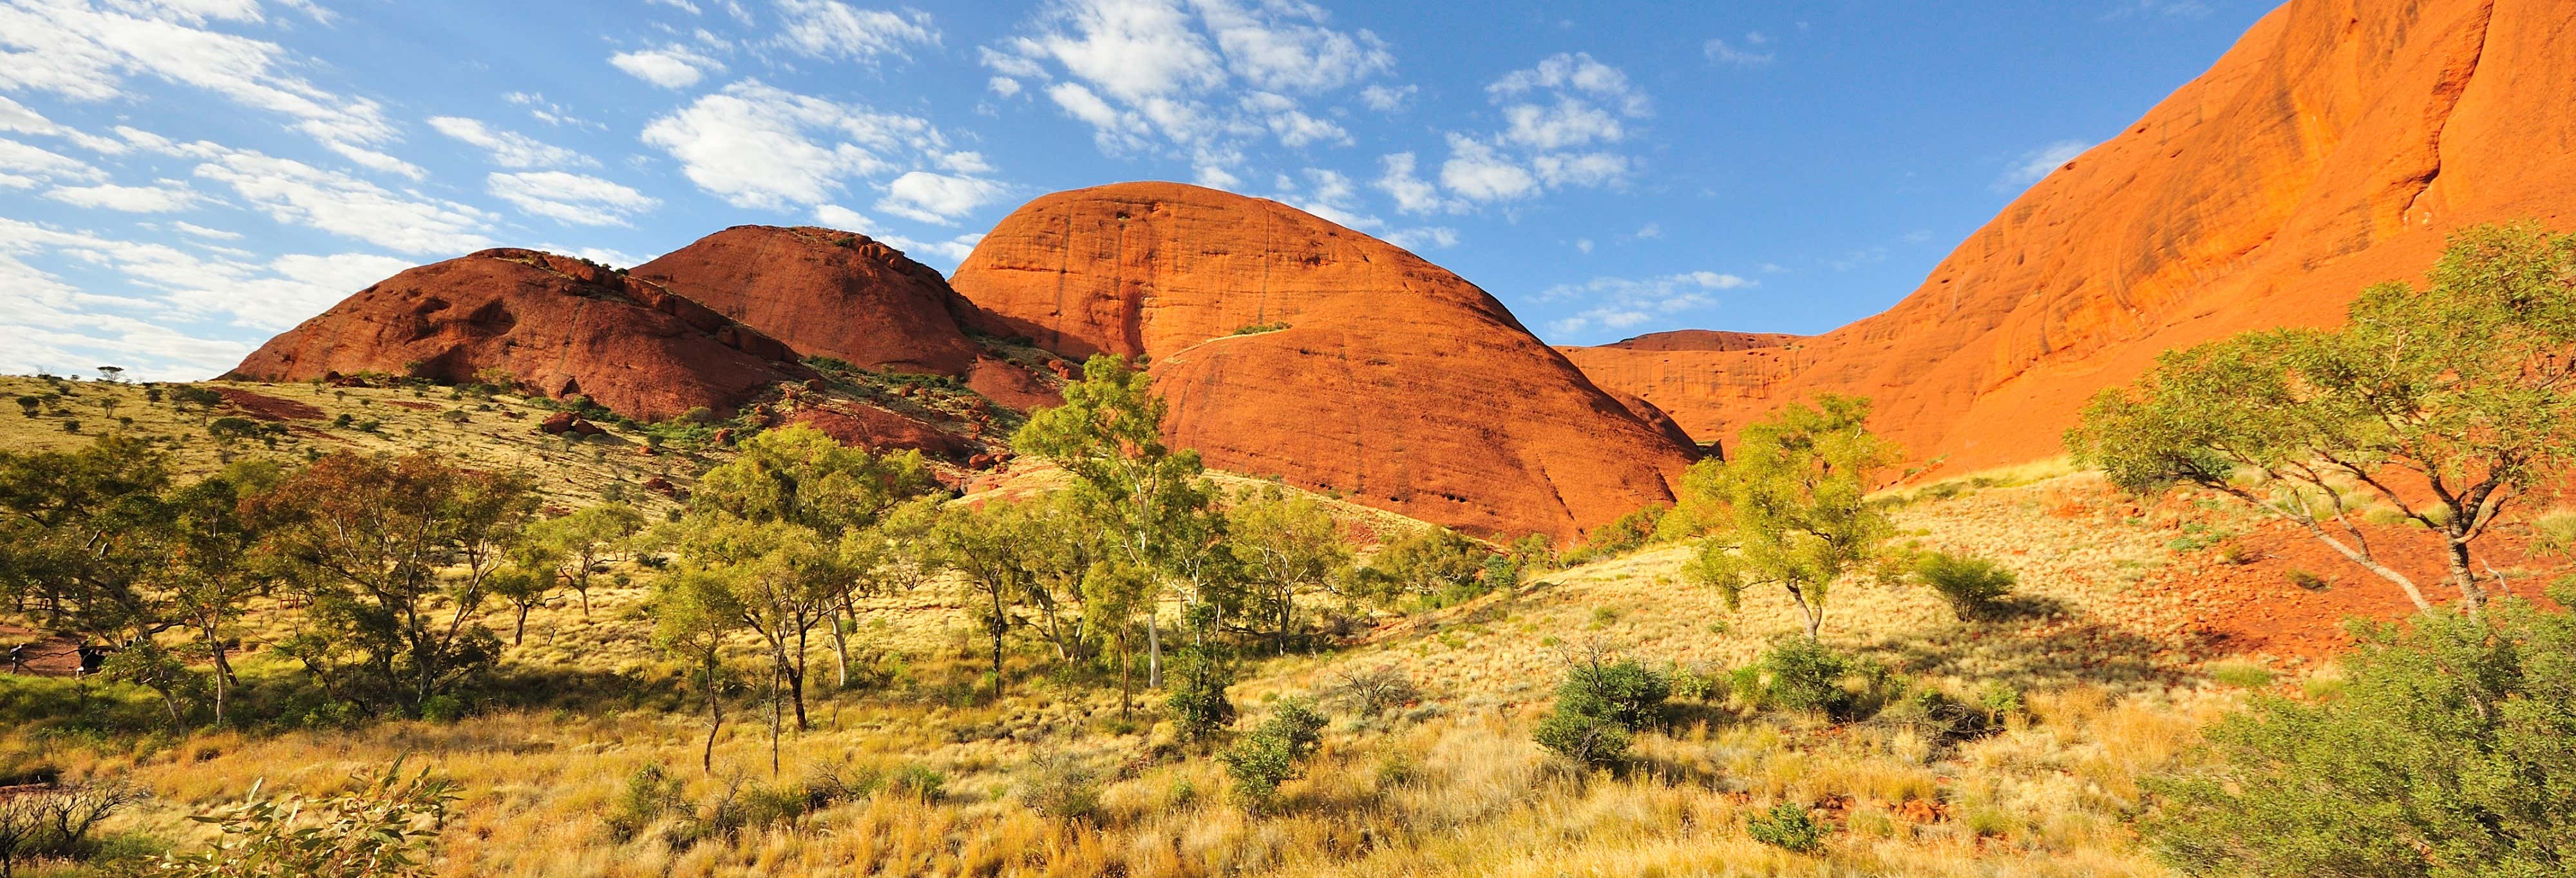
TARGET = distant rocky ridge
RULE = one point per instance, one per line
(1291, 346)
(2334, 147)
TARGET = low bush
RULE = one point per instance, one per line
(1274, 753)
(1599, 706)
(2449, 751)
(1788, 826)
(1973, 586)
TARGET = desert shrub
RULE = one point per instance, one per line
(1062, 786)
(385, 829)
(54, 822)
(1371, 691)
(1436, 568)
(918, 780)
(2307, 580)
(1198, 704)
(1274, 753)
(2449, 751)
(650, 793)
(1972, 585)
(1802, 674)
(1788, 826)
(1599, 705)
(2242, 675)
(1625, 534)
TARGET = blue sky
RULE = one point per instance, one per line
(180, 179)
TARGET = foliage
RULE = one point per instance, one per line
(2461, 386)
(1285, 547)
(385, 829)
(54, 822)
(1597, 707)
(1062, 786)
(1797, 509)
(2450, 751)
(1625, 534)
(1788, 826)
(1971, 585)
(1371, 691)
(1804, 674)
(395, 556)
(1436, 566)
(1274, 753)
(1199, 706)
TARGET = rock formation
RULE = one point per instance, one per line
(1290, 346)
(824, 292)
(2334, 147)
(558, 325)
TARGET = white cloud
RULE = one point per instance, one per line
(1569, 122)
(938, 198)
(1575, 74)
(23, 166)
(1203, 79)
(952, 250)
(1004, 86)
(1557, 117)
(1412, 194)
(549, 112)
(682, 5)
(293, 192)
(1476, 172)
(1649, 231)
(1329, 194)
(508, 149)
(15, 117)
(169, 196)
(2166, 8)
(1215, 177)
(570, 198)
(669, 67)
(203, 232)
(834, 30)
(1385, 99)
(1625, 303)
(1424, 238)
(1583, 244)
(83, 52)
(48, 318)
(759, 146)
(1750, 53)
(2039, 163)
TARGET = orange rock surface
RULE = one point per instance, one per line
(559, 325)
(1291, 346)
(825, 292)
(2332, 148)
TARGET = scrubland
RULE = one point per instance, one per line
(2091, 681)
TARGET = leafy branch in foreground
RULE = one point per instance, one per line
(385, 829)
(2457, 392)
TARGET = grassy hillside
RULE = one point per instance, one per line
(911, 769)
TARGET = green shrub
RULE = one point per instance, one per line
(1972, 585)
(1061, 786)
(918, 780)
(2449, 751)
(385, 829)
(1802, 674)
(1788, 826)
(1274, 753)
(1599, 706)
(1199, 707)
(650, 793)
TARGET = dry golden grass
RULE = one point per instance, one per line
(571, 472)
(1449, 786)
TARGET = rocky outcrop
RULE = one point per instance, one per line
(2334, 147)
(825, 293)
(1290, 346)
(558, 325)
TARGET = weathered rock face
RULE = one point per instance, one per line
(1287, 345)
(2334, 147)
(824, 292)
(559, 325)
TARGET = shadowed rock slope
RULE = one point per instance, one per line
(1291, 346)
(2333, 147)
(558, 325)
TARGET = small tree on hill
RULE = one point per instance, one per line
(1151, 500)
(2459, 393)
(1287, 547)
(1797, 512)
